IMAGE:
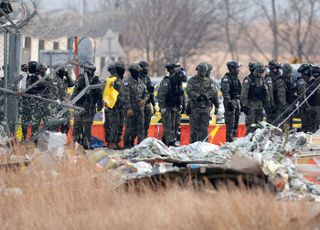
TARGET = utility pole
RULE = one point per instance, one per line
(12, 63)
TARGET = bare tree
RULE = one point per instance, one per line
(270, 12)
(172, 30)
(298, 22)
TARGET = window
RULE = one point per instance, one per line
(103, 63)
(70, 43)
(41, 44)
(55, 45)
(121, 39)
(27, 43)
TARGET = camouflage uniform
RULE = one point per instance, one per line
(202, 96)
(170, 99)
(254, 95)
(134, 99)
(231, 91)
(91, 102)
(148, 110)
(58, 87)
(314, 100)
(32, 109)
(302, 85)
(270, 79)
(283, 95)
(115, 116)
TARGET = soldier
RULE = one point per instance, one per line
(215, 86)
(134, 99)
(302, 85)
(271, 77)
(231, 91)
(254, 95)
(281, 91)
(107, 124)
(59, 85)
(31, 108)
(314, 100)
(149, 107)
(115, 115)
(202, 96)
(170, 97)
(91, 101)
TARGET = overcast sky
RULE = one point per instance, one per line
(61, 4)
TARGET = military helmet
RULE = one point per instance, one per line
(202, 67)
(274, 64)
(171, 66)
(42, 68)
(134, 67)
(315, 71)
(251, 66)
(143, 64)
(119, 65)
(287, 68)
(259, 67)
(304, 69)
(89, 65)
(110, 67)
(233, 64)
(32, 67)
(209, 66)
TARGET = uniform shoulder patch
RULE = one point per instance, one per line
(246, 80)
(164, 84)
(225, 79)
(125, 83)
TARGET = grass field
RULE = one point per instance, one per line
(76, 197)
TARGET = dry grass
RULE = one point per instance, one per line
(78, 198)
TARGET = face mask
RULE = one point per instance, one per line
(135, 74)
(120, 72)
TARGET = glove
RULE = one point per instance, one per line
(142, 103)
(163, 110)
(246, 110)
(216, 110)
(230, 106)
(129, 113)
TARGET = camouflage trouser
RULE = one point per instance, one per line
(199, 122)
(135, 128)
(271, 114)
(282, 114)
(82, 127)
(32, 111)
(169, 125)
(232, 122)
(177, 125)
(254, 117)
(147, 117)
(113, 124)
(314, 117)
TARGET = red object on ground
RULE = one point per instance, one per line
(217, 133)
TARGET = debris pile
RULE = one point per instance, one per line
(268, 154)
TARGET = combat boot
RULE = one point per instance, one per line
(118, 146)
